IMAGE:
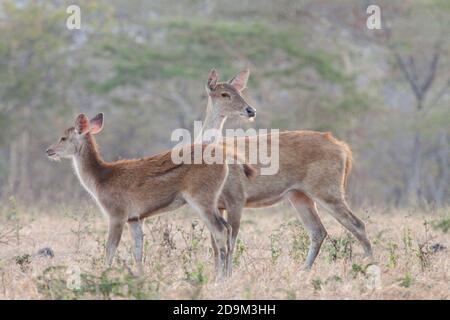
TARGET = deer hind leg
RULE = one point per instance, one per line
(339, 209)
(234, 215)
(309, 217)
(114, 234)
(138, 239)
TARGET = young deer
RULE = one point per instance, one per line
(313, 168)
(131, 190)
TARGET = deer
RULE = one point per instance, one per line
(313, 169)
(128, 191)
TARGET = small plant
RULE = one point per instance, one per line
(275, 247)
(357, 269)
(98, 259)
(192, 240)
(238, 252)
(168, 239)
(53, 283)
(423, 252)
(300, 244)
(291, 295)
(405, 281)
(197, 277)
(83, 227)
(378, 237)
(442, 224)
(340, 248)
(407, 241)
(317, 284)
(333, 279)
(393, 257)
(24, 261)
(193, 270)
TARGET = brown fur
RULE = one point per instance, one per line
(348, 152)
(130, 190)
(314, 167)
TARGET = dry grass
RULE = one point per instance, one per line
(408, 246)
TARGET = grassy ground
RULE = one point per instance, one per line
(411, 249)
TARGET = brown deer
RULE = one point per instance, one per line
(131, 190)
(313, 168)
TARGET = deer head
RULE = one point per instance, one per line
(73, 138)
(226, 97)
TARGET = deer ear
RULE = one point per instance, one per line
(239, 81)
(96, 123)
(82, 124)
(212, 80)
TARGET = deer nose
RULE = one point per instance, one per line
(251, 112)
(50, 152)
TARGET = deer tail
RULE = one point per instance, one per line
(347, 153)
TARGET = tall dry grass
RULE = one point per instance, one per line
(411, 247)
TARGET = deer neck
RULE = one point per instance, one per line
(88, 165)
(212, 125)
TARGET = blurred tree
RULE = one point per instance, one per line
(31, 65)
(421, 54)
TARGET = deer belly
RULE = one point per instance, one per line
(156, 208)
(264, 200)
(266, 194)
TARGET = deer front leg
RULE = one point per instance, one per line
(138, 238)
(215, 249)
(234, 219)
(221, 233)
(216, 253)
(114, 235)
(220, 240)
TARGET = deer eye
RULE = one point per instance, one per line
(225, 95)
(63, 139)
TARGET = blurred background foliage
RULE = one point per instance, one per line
(314, 65)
